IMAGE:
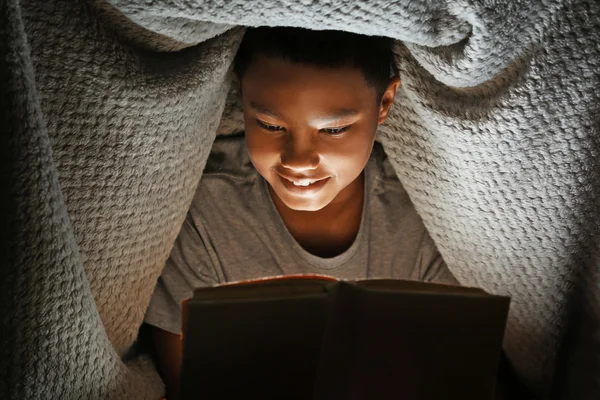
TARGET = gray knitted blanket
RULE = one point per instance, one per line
(108, 112)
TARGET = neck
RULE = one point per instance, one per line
(331, 230)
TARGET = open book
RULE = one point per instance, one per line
(312, 337)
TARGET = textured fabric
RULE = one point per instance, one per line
(108, 112)
(244, 237)
(102, 142)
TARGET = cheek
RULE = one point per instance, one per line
(264, 151)
(350, 157)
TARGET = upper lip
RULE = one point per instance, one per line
(302, 180)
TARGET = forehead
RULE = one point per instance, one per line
(282, 84)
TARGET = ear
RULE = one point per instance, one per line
(388, 99)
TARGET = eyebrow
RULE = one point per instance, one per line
(264, 110)
(332, 118)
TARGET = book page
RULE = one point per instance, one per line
(267, 287)
(416, 286)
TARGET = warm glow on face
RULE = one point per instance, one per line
(309, 130)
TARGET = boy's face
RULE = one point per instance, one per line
(310, 130)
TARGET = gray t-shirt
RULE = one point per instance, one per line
(234, 232)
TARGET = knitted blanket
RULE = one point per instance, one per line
(109, 109)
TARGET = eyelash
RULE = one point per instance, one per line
(336, 131)
(277, 128)
(271, 128)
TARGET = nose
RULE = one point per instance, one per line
(300, 154)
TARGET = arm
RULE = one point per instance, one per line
(189, 266)
(169, 351)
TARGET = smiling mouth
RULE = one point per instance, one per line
(304, 186)
(303, 183)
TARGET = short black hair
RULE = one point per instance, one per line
(328, 49)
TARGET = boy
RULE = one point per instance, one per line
(306, 190)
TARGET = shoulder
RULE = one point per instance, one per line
(230, 185)
(390, 204)
(229, 157)
(382, 172)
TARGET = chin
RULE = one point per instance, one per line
(308, 208)
(307, 205)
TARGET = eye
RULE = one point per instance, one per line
(272, 128)
(335, 131)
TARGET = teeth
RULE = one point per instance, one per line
(302, 183)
